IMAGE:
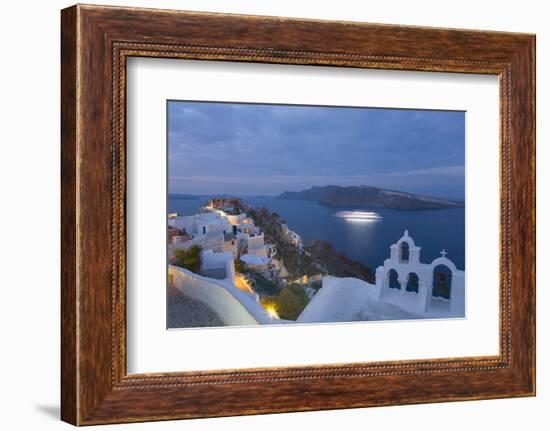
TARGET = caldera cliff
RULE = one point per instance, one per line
(369, 197)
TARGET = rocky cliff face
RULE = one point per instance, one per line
(367, 196)
(318, 257)
(338, 264)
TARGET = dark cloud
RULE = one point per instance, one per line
(266, 149)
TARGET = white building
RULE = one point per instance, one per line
(292, 236)
(405, 288)
(433, 289)
(271, 249)
(256, 245)
(230, 244)
(218, 265)
(256, 262)
(217, 231)
(201, 223)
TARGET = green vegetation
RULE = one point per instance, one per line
(239, 266)
(189, 258)
(289, 303)
(263, 286)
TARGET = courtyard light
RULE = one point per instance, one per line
(272, 311)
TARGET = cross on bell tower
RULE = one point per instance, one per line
(443, 253)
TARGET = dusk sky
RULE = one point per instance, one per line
(253, 149)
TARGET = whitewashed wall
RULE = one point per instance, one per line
(234, 307)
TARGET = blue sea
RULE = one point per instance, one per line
(366, 242)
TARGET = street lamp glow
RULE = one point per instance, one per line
(272, 311)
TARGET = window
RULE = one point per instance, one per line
(393, 281)
(404, 252)
(442, 277)
(412, 283)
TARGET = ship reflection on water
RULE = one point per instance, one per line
(359, 216)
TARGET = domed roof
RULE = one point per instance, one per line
(443, 260)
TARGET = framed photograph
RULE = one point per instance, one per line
(247, 240)
(265, 215)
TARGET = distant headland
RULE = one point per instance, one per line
(368, 196)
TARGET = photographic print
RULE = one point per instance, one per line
(296, 214)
